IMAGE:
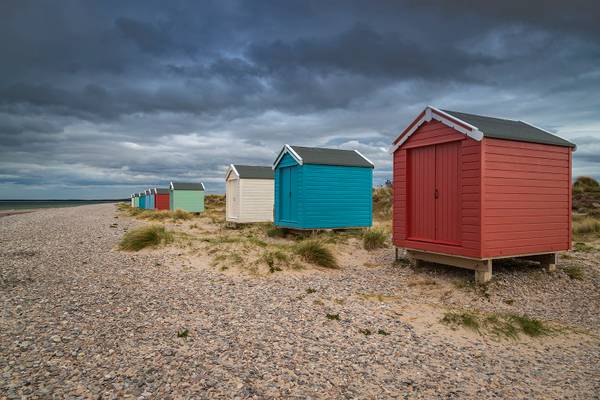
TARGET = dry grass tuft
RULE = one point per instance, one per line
(504, 325)
(145, 236)
(314, 252)
(375, 238)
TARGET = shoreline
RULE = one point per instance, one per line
(8, 213)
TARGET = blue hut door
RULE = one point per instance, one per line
(288, 194)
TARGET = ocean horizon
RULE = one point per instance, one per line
(35, 204)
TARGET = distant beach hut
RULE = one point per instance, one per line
(249, 194)
(318, 188)
(187, 196)
(161, 199)
(132, 203)
(149, 199)
(136, 200)
(142, 200)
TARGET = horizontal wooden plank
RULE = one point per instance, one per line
(532, 241)
(526, 205)
(525, 197)
(506, 181)
(509, 144)
(500, 218)
(524, 190)
(491, 157)
(525, 153)
(543, 169)
(537, 176)
(541, 236)
(526, 227)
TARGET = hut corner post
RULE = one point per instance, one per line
(484, 273)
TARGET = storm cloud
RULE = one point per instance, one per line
(101, 99)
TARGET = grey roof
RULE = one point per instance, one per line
(509, 129)
(140, 194)
(161, 191)
(317, 155)
(135, 195)
(253, 171)
(187, 186)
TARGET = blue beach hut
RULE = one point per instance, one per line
(149, 199)
(142, 200)
(318, 188)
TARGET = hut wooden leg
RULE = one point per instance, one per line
(484, 274)
(549, 261)
(396, 253)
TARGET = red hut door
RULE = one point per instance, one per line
(434, 193)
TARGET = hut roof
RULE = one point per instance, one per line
(510, 129)
(187, 186)
(250, 171)
(161, 190)
(324, 156)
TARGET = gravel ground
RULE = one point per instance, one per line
(80, 319)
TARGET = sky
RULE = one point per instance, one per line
(100, 99)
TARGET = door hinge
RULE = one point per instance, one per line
(436, 194)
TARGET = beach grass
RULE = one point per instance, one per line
(145, 236)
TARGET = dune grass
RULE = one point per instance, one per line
(145, 236)
(314, 252)
(503, 325)
(375, 238)
(586, 225)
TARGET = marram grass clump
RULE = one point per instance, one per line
(145, 236)
(502, 325)
(314, 252)
(375, 238)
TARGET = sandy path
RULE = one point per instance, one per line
(80, 319)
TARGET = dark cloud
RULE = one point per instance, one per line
(110, 97)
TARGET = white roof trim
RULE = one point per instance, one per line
(287, 149)
(171, 186)
(433, 113)
(366, 159)
(231, 169)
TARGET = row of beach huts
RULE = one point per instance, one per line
(305, 188)
(468, 189)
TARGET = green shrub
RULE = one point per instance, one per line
(586, 183)
(145, 236)
(314, 252)
(375, 238)
(275, 259)
(573, 272)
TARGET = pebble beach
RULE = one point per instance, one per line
(81, 319)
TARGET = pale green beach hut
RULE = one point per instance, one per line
(187, 196)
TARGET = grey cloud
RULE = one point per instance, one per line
(126, 94)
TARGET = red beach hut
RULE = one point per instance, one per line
(469, 189)
(161, 199)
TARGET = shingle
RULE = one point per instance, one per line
(187, 186)
(317, 155)
(254, 172)
(509, 129)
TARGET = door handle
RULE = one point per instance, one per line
(436, 194)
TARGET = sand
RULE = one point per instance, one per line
(80, 318)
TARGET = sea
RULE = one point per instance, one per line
(34, 204)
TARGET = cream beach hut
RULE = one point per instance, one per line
(249, 193)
